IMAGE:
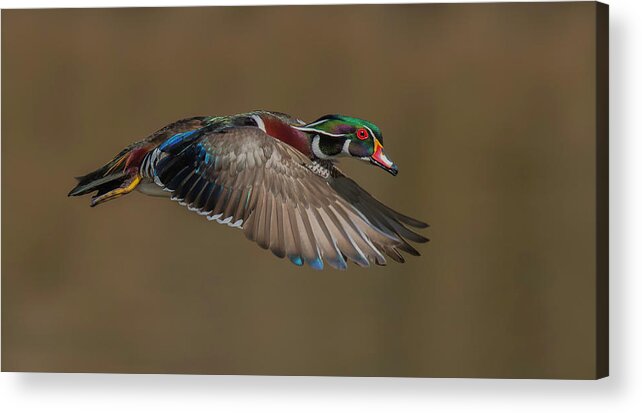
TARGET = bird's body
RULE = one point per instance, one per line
(273, 176)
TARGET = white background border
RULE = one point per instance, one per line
(620, 392)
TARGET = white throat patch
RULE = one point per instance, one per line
(346, 148)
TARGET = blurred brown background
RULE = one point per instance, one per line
(488, 109)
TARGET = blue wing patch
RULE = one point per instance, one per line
(178, 141)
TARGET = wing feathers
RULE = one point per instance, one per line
(310, 249)
(276, 229)
(245, 178)
(346, 242)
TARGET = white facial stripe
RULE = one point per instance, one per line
(259, 122)
(306, 129)
(318, 122)
(371, 132)
(346, 147)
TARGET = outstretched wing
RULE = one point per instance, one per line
(384, 218)
(283, 201)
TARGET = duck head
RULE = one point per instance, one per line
(334, 136)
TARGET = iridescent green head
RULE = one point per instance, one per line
(339, 135)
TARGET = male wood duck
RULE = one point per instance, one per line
(274, 177)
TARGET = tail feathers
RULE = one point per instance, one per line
(109, 176)
(125, 165)
(95, 181)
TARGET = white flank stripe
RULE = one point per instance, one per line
(259, 122)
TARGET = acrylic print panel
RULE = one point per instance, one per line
(494, 115)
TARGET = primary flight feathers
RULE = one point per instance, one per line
(273, 176)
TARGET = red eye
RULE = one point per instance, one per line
(362, 134)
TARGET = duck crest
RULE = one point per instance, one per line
(281, 129)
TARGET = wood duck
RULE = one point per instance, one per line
(273, 176)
